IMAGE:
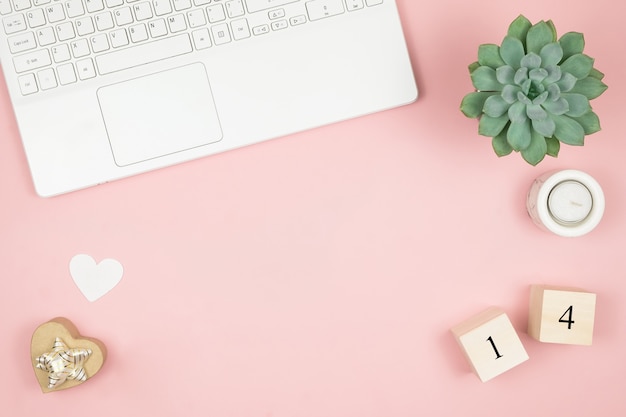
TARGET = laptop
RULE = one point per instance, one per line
(106, 89)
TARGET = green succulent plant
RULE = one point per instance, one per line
(533, 91)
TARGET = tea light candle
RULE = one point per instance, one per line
(568, 203)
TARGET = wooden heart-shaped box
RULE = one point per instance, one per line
(59, 335)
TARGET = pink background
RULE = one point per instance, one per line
(318, 275)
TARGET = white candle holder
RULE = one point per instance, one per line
(568, 203)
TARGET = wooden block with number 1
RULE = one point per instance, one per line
(490, 343)
(561, 315)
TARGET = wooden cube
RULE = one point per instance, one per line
(490, 343)
(561, 315)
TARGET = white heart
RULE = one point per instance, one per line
(95, 280)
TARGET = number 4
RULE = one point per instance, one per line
(569, 320)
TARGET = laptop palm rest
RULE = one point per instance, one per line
(159, 114)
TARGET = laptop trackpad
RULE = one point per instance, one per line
(159, 114)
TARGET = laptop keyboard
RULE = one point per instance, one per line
(61, 42)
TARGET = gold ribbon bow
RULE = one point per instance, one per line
(63, 363)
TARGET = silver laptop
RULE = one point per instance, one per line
(105, 89)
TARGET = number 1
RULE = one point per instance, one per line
(493, 345)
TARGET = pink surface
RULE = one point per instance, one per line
(318, 275)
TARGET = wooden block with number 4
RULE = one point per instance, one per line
(561, 315)
(490, 343)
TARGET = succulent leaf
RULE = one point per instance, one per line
(538, 75)
(572, 43)
(568, 130)
(551, 54)
(538, 36)
(578, 65)
(536, 150)
(554, 74)
(495, 106)
(473, 103)
(531, 61)
(484, 79)
(545, 127)
(567, 82)
(473, 66)
(512, 51)
(517, 112)
(556, 107)
(554, 146)
(492, 126)
(596, 74)
(541, 98)
(554, 92)
(489, 56)
(536, 112)
(519, 28)
(590, 87)
(550, 24)
(590, 122)
(522, 96)
(505, 75)
(518, 135)
(500, 145)
(510, 92)
(521, 76)
(578, 104)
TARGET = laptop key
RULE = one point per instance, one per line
(13, 24)
(354, 5)
(66, 74)
(22, 42)
(143, 54)
(221, 35)
(32, 60)
(85, 69)
(35, 18)
(234, 8)
(27, 83)
(240, 28)
(258, 5)
(47, 80)
(20, 5)
(319, 9)
(5, 7)
(201, 38)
